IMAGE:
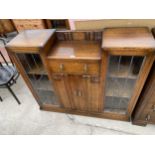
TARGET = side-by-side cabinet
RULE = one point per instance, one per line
(94, 73)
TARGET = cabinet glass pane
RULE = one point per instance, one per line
(121, 78)
(37, 75)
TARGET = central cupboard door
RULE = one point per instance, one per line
(78, 92)
(84, 93)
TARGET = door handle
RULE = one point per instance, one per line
(78, 93)
(62, 67)
(85, 68)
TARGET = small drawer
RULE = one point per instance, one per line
(74, 67)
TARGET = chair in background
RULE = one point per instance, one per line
(8, 74)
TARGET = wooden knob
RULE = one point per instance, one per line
(85, 68)
(79, 93)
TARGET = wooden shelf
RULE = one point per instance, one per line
(123, 71)
(42, 84)
(38, 70)
(117, 89)
(118, 111)
(122, 74)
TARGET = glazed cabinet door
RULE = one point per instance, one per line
(84, 93)
(121, 79)
(34, 72)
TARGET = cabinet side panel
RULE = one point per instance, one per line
(140, 82)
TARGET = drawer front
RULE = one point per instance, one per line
(74, 67)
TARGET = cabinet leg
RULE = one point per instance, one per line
(139, 123)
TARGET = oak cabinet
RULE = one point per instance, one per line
(95, 73)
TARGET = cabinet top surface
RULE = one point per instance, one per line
(30, 39)
(128, 38)
(76, 50)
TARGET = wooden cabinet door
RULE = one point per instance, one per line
(94, 96)
(77, 92)
(84, 93)
(60, 86)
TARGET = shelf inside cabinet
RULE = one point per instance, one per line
(32, 64)
(121, 74)
(124, 67)
(37, 69)
(119, 87)
(41, 82)
(118, 111)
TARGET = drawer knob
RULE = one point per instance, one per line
(148, 117)
(62, 67)
(85, 68)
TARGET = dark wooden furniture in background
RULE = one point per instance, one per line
(6, 26)
(90, 73)
(144, 112)
(29, 24)
(58, 24)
